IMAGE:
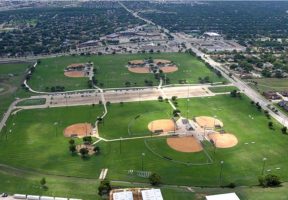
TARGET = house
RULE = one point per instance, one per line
(271, 95)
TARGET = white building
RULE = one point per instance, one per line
(228, 196)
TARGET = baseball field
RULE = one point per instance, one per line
(28, 137)
(112, 71)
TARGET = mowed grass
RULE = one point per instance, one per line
(11, 77)
(22, 183)
(222, 89)
(270, 84)
(113, 73)
(40, 145)
(31, 102)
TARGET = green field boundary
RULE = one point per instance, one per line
(222, 89)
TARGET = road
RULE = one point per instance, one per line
(241, 85)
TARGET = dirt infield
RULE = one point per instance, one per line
(184, 144)
(166, 125)
(161, 61)
(169, 69)
(75, 65)
(78, 130)
(210, 122)
(225, 140)
(74, 74)
(139, 70)
(136, 62)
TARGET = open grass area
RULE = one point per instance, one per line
(43, 147)
(112, 71)
(11, 77)
(32, 102)
(22, 183)
(221, 89)
(270, 84)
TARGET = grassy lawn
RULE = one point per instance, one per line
(13, 183)
(270, 84)
(43, 147)
(32, 102)
(222, 89)
(112, 71)
(11, 77)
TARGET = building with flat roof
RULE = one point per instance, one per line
(125, 195)
(228, 196)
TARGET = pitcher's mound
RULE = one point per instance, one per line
(225, 140)
(210, 122)
(74, 74)
(162, 125)
(184, 144)
(78, 130)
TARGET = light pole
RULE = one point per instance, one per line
(55, 124)
(187, 107)
(143, 154)
(221, 169)
(264, 163)
(214, 120)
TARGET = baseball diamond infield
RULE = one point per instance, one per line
(74, 74)
(163, 125)
(78, 130)
(210, 122)
(225, 140)
(184, 144)
(142, 67)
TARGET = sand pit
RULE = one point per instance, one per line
(210, 122)
(184, 144)
(161, 61)
(166, 125)
(137, 62)
(139, 70)
(225, 140)
(78, 130)
(74, 74)
(169, 69)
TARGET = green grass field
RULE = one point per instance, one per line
(11, 77)
(270, 84)
(39, 145)
(222, 89)
(112, 71)
(31, 102)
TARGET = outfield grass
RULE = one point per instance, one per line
(12, 84)
(222, 89)
(112, 71)
(39, 144)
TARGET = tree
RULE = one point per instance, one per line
(284, 130)
(270, 124)
(72, 148)
(71, 141)
(269, 180)
(43, 183)
(104, 187)
(154, 179)
(96, 149)
(87, 139)
(176, 112)
(160, 98)
(83, 152)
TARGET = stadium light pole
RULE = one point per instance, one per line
(55, 124)
(221, 170)
(263, 166)
(143, 154)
